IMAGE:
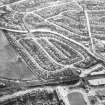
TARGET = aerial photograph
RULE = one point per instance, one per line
(52, 52)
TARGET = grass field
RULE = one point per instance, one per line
(10, 66)
(76, 98)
